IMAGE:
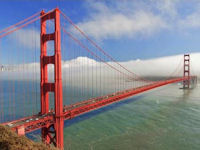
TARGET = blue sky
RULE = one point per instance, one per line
(126, 29)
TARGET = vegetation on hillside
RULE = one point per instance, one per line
(9, 140)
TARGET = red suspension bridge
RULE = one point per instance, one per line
(35, 78)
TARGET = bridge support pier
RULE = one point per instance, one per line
(52, 134)
(20, 130)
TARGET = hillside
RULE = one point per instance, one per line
(9, 140)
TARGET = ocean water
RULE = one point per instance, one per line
(167, 118)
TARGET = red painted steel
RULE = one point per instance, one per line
(52, 122)
(186, 71)
(39, 121)
(59, 120)
(52, 133)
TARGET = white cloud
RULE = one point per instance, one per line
(139, 18)
(79, 62)
(167, 7)
(106, 22)
(84, 72)
(152, 67)
(117, 25)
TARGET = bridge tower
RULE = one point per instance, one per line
(186, 71)
(51, 133)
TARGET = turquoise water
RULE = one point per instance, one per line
(167, 118)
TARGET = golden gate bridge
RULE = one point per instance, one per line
(31, 63)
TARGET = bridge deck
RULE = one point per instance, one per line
(38, 121)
